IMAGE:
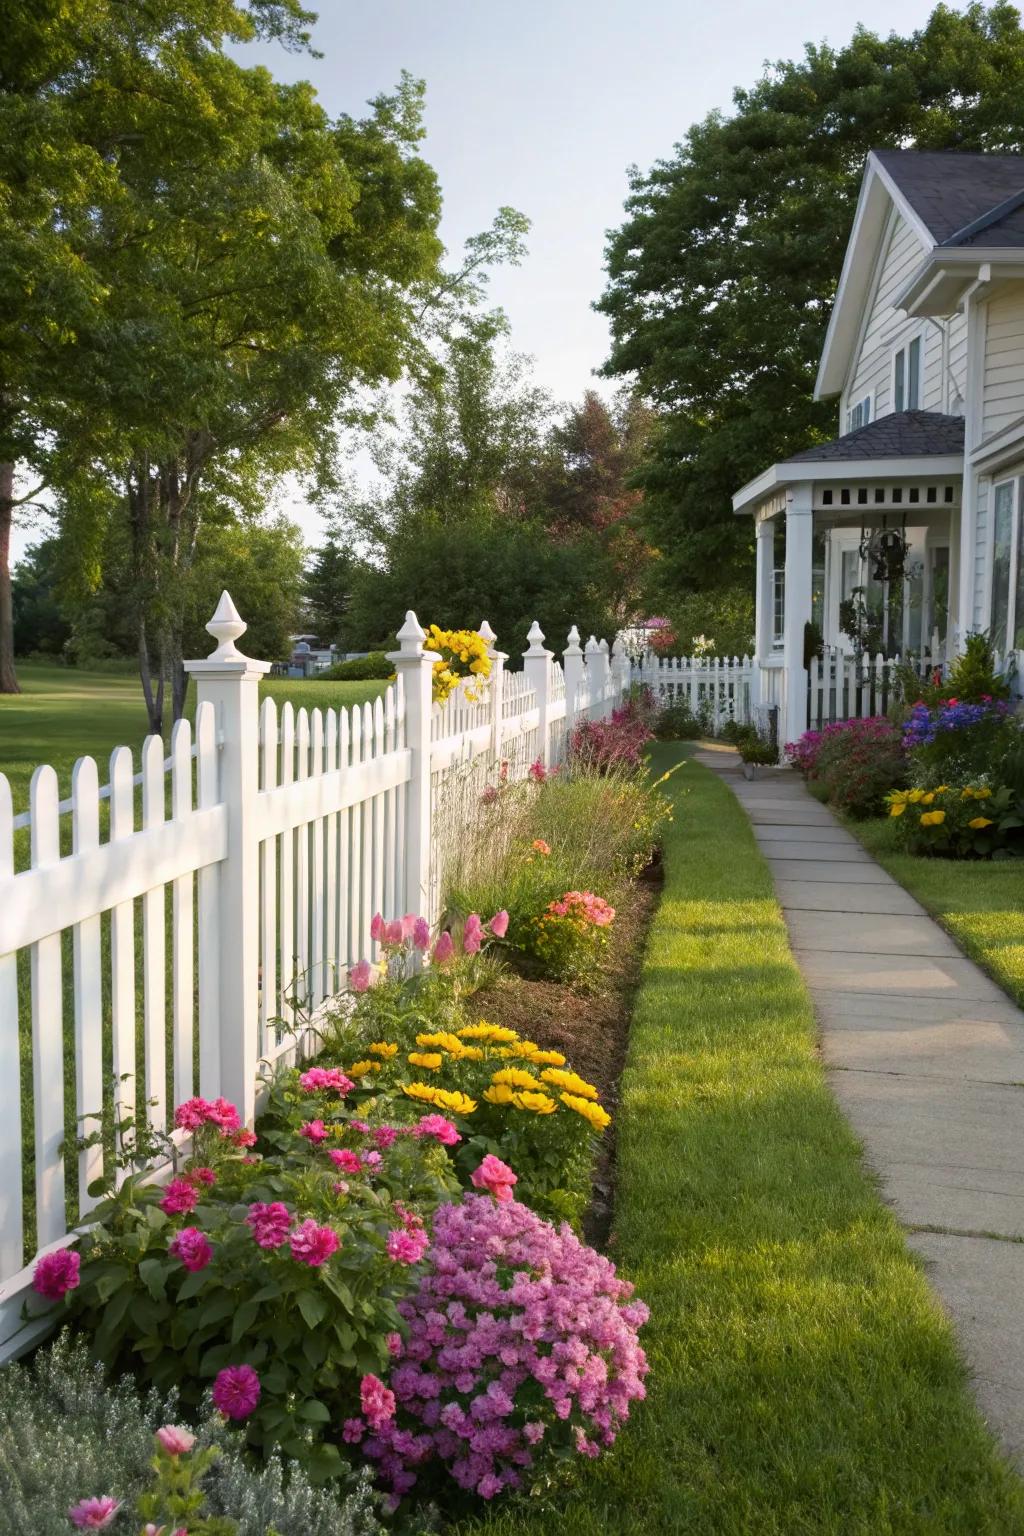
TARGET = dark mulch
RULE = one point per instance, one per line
(590, 1028)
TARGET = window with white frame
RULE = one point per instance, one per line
(1006, 619)
(906, 376)
(859, 414)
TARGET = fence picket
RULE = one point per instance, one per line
(88, 983)
(316, 988)
(154, 946)
(208, 883)
(287, 921)
(302, 863)
(47, 1025)
(366, 907)
(268, 883)
(11, 1215)
(122, 940)
(331, 982)
(345, 954)
(183, 924)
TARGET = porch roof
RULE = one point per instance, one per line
(901, 445)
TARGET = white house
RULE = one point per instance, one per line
(925, 356)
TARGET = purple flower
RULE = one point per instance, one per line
(236, 1391)
(56, 1273)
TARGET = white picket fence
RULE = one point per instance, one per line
(179, 946)
(716, 688)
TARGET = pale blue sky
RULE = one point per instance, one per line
(543, 104)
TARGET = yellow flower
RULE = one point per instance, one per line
(932, 818)
(915, 795)
(541, 1058)
(429, 1059)
(515, 1077)
(897, 808)
(455, 1102)
(983, 794)
(928, 798)
(421, 1091)
(361, 1068)
(980, 821)
(570, 1082)
(538, 1103)
(967, 793)
(484, 1031)
(593, 1113)
(470, 1053)
(942, 789)
(500, 1094)
(384, 1048)
(442, 1040)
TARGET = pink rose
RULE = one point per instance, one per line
(56, 1273)
(236, 1391)
(499, 924)
(440, 1128)
(192, 1247)
(312, 1244)
(322, 1079)
(495, 1176)
(393, 932)
(181, 1196)
(175, 1440)
(378, 1404)
(93, 1514)
(409, 922)
(203, 1176)
(269, 1224)
(407, 1247)
(348, 1162)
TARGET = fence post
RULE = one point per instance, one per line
(594, 662)
(230, 682)
(607, 703)
(496, 687)
(537, 666)
(622, 668)
(572, 665)
(414, 665)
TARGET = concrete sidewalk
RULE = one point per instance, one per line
(926, 1057)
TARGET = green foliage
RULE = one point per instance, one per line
(677, 722)
(754, 748)
(720, 278)
(958, 821)
(39, 624)
(857, 762)
(973, 675)
(327, 586)
(725, 614)
(361, 669)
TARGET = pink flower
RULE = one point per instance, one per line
(244, 1138)
(56, 1273)
(409, 922)
(314, 1130)
(312, 1244)
(181, 1197)
(377, 926)
(377, 1403)
(444, 949)
(348, 1162)
(385, 1136)
(394, 1344)
(269, 1223)
(421, 934)
(537, 772)
(352, 1431)
(405, 1247)
(175, 1440)
(360, 977)
(93, 1514)
(472, 934)
(236, 1391)
(372, 1160)
(495, 1176)
(322, 1079)
(499, 924)
(195, 1113)
(439, 1127)
(203, 1176)
(393, 932)
(489, 795)
(192, 1247)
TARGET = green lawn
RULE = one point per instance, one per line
(804, 1379)
(980, 904)
(64, 713)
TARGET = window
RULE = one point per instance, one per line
(906, 376)
(1006, 622)
(859, 415)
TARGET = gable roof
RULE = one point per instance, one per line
(958, 195)
(901, 435)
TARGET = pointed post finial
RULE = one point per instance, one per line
(618, 646)
(592, 646)
(487, 634)
(574, 639)
(411, 636)
(226, 626)
(536, 639)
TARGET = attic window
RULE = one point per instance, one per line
(906, 376)
(859, 414)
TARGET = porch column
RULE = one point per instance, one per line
(764, 599)
(799, 532)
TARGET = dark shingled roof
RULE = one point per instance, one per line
(962, 198)
(903, 435)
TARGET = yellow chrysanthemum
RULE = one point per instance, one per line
(571, 1083)
(983, 794)
(471, 1053)
(541, 1058)
(967, 793)
(421, 1091)
(515, 1077)
(360, 1068)
(932, 818)
(597, 1117)
(897, 808)
(454, 1102)
(928, 798)
(443, 1040)
(384, 1048)
(537, 1103)
(978, 822)
(431, 1060)
(484, 1031)
(499, 1093)
(915, 795)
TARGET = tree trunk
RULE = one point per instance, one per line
(8, 676)
(154, 696)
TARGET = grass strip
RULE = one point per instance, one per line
(979, 903)
(804, 1378)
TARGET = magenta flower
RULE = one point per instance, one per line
(236, 1391)
(385, 1136)
(352, 1431)
(421, 935)
(495, 1176)
(409, 922)
(439, 1127)
(499, 924)
(360, 977)
(377, 926)
(203, 1176)
(323, 1079)
(376, 1401)
(407, 1247)
(348, 1162)
(56, 1273)
(93, 1514)
(314, 1130)
(192, 1247)
(444, 949)
(472, 934)
(269, 1223)
(537, 772)
(393, 932)
(195, 1113)
(180, 1198)
(175, 1440)
(312, 1244)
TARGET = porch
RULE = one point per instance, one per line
(857, 568)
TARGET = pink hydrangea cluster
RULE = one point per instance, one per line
(326, 1080)
(518, 1333)
(583, 906)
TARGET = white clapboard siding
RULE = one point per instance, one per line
(335, 816)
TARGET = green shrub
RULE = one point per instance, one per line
(360, 669)
(957, 821)
(67, 1433)
(677, 722)
(856, 762)
(754, 748)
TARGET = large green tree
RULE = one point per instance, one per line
(721, 278)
